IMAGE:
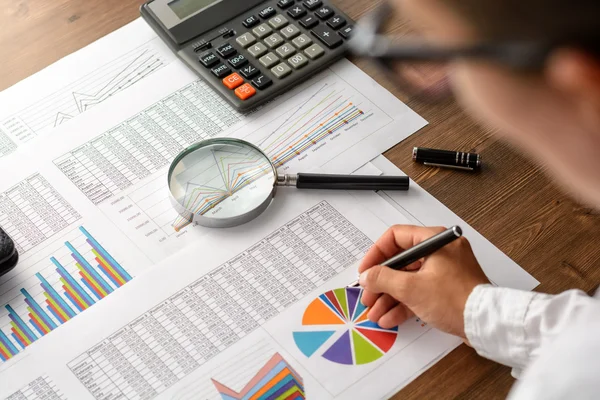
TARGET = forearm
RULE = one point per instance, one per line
(509, 326)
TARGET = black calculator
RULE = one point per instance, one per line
(251, 51)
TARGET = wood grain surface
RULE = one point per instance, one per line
(510, 202)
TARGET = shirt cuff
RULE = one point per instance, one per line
(495, 321)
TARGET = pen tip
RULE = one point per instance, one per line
(457, 231)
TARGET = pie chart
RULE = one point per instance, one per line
(335, 327)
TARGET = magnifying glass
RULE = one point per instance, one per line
(220, 183)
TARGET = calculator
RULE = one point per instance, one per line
(251, 51)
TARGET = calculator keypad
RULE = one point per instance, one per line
(309, 22)
(327, 35)
(324, 12)
(249, 71)
(297, 12)
(285, 50)
(302, 41)
(226, 50)
(220, 70)
(267, 12)
(281, 70)
(262, 31)
(290, 32)
(315, 51)
(209, 59)
(251, 21)
(257, 50)
(336, 22)
(245, 40)
(262, 82)
(278, 21)
(298, 61)
(268, 60)
(238, 61)
(274, 40)
(285, 3)
(270, 42)
(312, 4)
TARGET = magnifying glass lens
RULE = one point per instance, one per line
(222, 182)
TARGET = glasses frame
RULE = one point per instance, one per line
(368, 42)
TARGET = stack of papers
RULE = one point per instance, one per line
(115, 296)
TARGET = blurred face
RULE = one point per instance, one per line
(555, 122)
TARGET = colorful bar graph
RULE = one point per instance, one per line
(89, 275)
(275, 380)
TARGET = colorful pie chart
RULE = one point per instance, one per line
(335, 327)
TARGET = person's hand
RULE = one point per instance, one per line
(434, 289)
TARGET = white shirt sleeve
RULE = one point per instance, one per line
(512, 326)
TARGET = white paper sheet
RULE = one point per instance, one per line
(206, 319)
(61, 92)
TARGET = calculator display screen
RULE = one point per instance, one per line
(185, 8)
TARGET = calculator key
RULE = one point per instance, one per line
(336, 22)
(226, 50)
(233, 81)
(281, 70)
(273, 41)
(285, 3)
(245, 91)
(246, 40)
(285, 50)
(309, 22)
(249, 71)
(298, 61)
(262, 30)
(315, 51)
(278, 21)
(302, 41)
(267, 12)
(324, 12)
(238, 61)
(327, 36)
(346, 33)
(268, 60)
(290, 32)
(297, 12)
(257, 50)
(312, 4)
(221, 70)
(261, 82)
(208, 59)
(251, 21)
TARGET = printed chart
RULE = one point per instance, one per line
(66, 285)
(215, 312)
(79, 96)
(41, 388)
(275, 380)
(33, 211)
(336, 328)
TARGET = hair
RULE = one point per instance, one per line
(574, 22)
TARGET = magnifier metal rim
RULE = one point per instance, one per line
(219, 222)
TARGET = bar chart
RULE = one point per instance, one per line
(82, 275)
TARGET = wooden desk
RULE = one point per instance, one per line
(510, 202)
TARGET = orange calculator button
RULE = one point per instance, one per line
(233, 81)
(245, 91)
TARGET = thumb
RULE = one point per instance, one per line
(380, 279)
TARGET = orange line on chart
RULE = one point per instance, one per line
(309, 133)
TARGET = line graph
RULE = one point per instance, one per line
(92, 89)
(324, 122)
(219, 176)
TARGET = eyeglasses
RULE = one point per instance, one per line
(420, 69)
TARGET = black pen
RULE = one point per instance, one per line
(423, 249)
(447, 159)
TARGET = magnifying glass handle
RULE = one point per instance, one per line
(344, 182)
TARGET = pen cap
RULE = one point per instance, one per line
(447, 158)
